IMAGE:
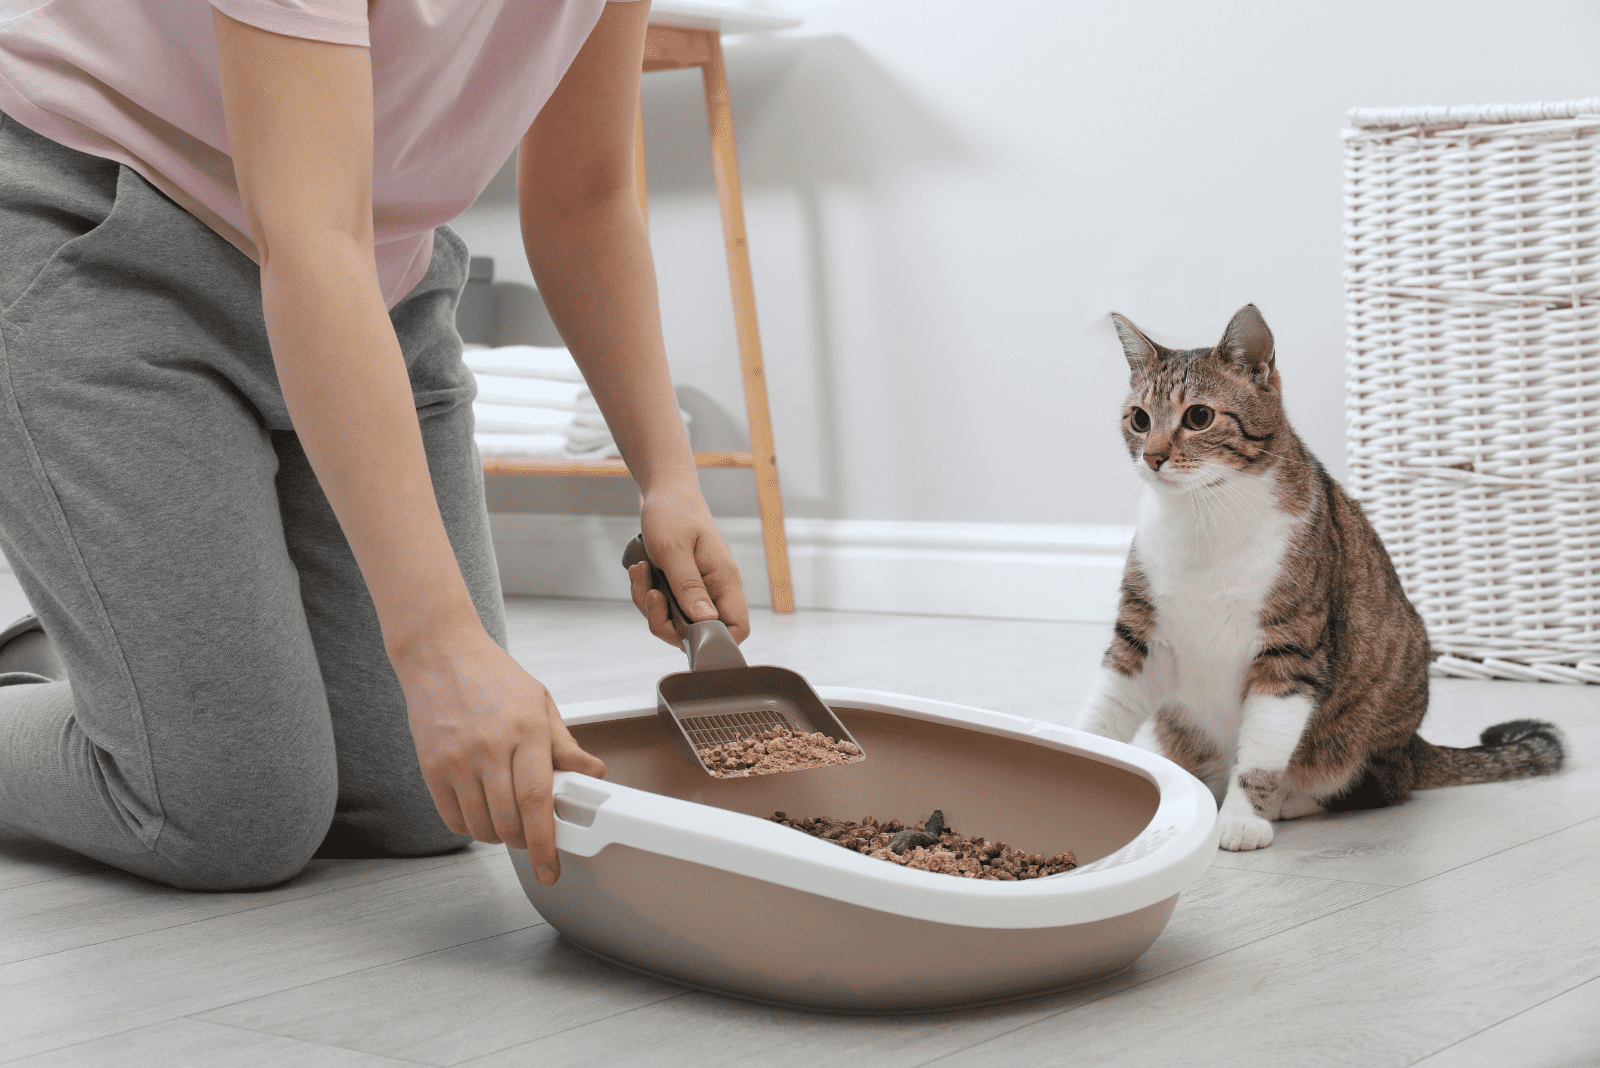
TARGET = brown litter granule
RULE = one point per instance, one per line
(931, 846)
(776, 749)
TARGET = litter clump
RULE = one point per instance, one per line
(931, 846)
(776, 749)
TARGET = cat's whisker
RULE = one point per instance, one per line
(1204, 500)
(1242, 487)
(1247, 498)
(1206, 495)
(1231, 505)
(1204, 516)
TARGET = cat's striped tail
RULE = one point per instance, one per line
(1513, 750)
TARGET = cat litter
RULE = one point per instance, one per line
(776, 749)
(931, 846)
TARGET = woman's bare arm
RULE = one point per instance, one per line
(299, 116)
(590, 254)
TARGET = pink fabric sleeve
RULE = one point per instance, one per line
(334, 21)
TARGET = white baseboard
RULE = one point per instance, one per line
(990, 570)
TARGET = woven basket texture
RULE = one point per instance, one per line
(1472, 267)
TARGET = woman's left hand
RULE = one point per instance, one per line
(683, 542)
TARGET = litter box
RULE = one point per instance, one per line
(679, 875)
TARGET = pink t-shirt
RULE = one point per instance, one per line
(455, 83)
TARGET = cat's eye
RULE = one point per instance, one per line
(1140, 420)
(1198, 417)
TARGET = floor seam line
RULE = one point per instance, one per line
(1497, 852)
(226, 915)
(56, 879)
(1508, 1019)
(307, 1041)
(1163, 975)
(574, 1027)
(357, 971)
(1319, 878)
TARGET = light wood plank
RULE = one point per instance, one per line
(1379, 985)
(190, 1042)
(1227, 909)
(447, 1007)
(1564, 1032)
(1442, 829)
(1224, 910)
(83, 994)
(67, 914)
(24, 860)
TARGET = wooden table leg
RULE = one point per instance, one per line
(725, 164)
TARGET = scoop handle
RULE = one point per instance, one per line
(709, 645)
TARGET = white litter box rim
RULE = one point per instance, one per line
(1172, 851)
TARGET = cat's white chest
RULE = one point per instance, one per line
(1210, 563)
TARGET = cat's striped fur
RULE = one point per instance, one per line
(1262, 626)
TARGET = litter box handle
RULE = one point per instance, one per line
(709, 645)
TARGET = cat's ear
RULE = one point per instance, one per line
(1248, 344)
(1140, 350)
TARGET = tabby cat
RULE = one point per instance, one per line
(1262, 624)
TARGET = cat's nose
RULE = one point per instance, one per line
(1155, 460)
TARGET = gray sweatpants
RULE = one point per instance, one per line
(230, 707)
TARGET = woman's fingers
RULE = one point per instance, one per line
(651, 604)
(639, 586)
(567, 754)
(444, 799)
(727, 588)
(683, 572)
(531, 770)
(475, 810)
(661, 624)
(500, 790)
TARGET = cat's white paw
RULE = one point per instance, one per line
(1245, 832)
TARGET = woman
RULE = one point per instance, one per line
(237, 477)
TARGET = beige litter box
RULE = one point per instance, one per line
(673, 873)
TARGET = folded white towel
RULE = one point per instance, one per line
(534, 392)
(516, 419)
(532, 402)
(529, 445)
(525, 361)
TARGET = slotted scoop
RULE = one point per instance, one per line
(721, 698)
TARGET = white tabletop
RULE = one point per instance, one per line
(722, 17)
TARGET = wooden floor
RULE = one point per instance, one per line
(1461, 929)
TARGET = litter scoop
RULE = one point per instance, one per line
(721, 698)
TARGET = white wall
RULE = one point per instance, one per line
(945, 199)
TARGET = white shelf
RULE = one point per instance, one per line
(721, 17)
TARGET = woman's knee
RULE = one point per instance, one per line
(247, 842)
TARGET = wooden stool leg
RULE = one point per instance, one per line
(725, 164)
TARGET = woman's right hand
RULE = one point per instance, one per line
(488, 737)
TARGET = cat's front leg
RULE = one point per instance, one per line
(1269, 730)
(1117, 706)
(1123, 697)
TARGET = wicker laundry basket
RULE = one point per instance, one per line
(1472, 262)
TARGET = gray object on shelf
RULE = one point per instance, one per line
(475, 313)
